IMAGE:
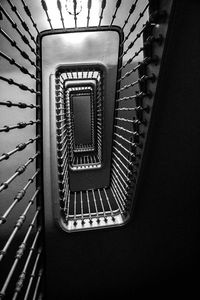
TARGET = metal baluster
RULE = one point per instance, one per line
(124, 139)
(63, 194)
(124, 148)
(116, 173)
(20, 85)
(16, 262)
(45, 8)
(28, 12)
(59, 129)
(121, 191)
(18, 225)
(108, 201)
(22, 276)
(121, 162)
(63, 178)
(14, 25)
(62, 143)
(88, 202)
(135, 96)
(100, 198)
(142, 79)
(65, 200)
(75, 13)
(124, 180)
(120, 169)
(66, 75)
(136, 23)
(127, 74)
(128, 131)
(119, 152)
(82, 216)
(89, 5)
(33, 273)
(18, 172)
(118, 3)
(147, 24)
(21, 68)
(23, 23)
(146, 61)
(20, 195)
(115, 186)
(15, 45)
(59, 5)
(19, 125)
(124, 119)
(129, 61)
(37, 283)
(19, 104)
(95, 205)
(75, 222)
(68, 203)
(132, 9)
(133, 109)
(128, 86)
(66, 181)
(19, 147)
(103, 5)
(19, 252)
(93, 73)
(117, 200)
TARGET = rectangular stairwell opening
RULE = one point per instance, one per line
(81, 170)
